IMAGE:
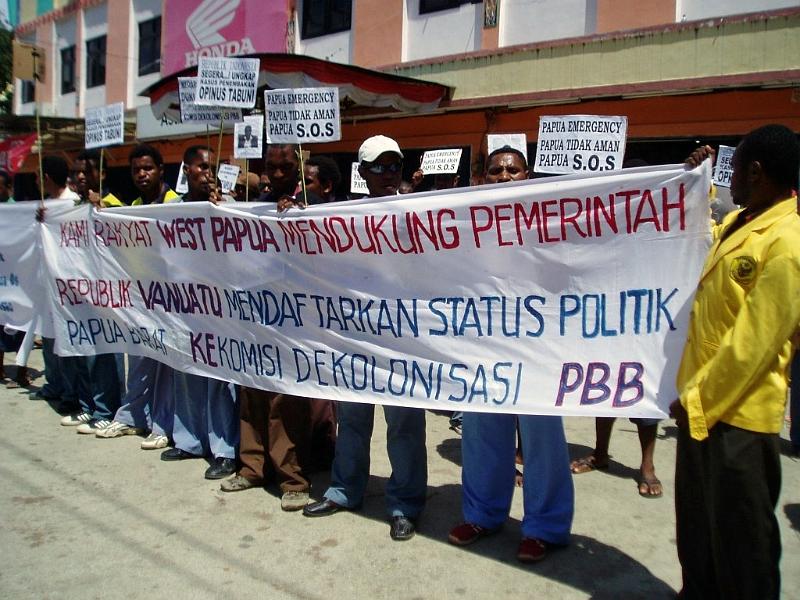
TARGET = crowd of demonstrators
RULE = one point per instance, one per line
(732, 382)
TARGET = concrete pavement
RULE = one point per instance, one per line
(84, 517)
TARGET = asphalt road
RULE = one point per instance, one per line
(82, 517)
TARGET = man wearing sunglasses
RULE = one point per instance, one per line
(380, 164)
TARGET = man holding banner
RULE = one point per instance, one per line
(488, 444)
(205, 409)
(87, 177)
(380, 164)
(733, 378)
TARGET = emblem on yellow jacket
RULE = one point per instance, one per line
(743, 269)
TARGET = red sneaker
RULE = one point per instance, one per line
(531, 550)
(467, 533)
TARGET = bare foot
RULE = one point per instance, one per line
(587, 464)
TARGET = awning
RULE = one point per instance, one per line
(363, 87)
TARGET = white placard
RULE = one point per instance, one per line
(723, 170)
(580, 143)
(357, 183)
(227, 175)
(247, 137)
(182, 185)
(302, 115)
(477, 299)
(519, 141)
(228, 82)
(441, 161)
(192, 113)
(105, 125)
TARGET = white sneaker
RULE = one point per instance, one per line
(117, 429)
(94, 426)
(79, 419)
(155, 441)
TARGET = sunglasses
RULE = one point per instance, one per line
(377, 169)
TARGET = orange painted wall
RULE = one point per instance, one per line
(377, 32)
(117, 59)
(615, 15)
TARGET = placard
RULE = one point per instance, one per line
(227, 176)
(105, 125)
(723, 170)
(302, 115)
(192, 113)
(580, 143)
(518, 141)
(182, 185)
(357, 183)
(441, 161)
(228, 82)
(247, 137)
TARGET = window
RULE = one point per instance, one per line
(429, 6)
(150, 46)
(96, 62)
(321, 17)
(27, 92)
(68, 70)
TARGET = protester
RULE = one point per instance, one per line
(322, 177)
(6, 187)
(96, 382)
(732, 380)
(794, 408)
(147, 405)
(488, 444)
(278, 430)
(55, 172)
(246, 188)
(380, 164)
(205, 408)
(86, 177)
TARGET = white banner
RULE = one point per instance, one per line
(564, 295)
(302, 115)
(519, 141)
(580, 143)
(230, 82)
(723, 170)
(227, 175)
(192, 113)
(105, 125)
(248, 137)
(24, 298)
(440, 161)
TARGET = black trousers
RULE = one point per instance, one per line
(726, 489)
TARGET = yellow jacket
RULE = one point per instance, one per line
(738, 350)
(169, 196)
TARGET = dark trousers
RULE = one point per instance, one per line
(726, 489)
(280, 437)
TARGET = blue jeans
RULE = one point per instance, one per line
(488, 446)
(96, 382)
(54, 380)
(206, 416)
(148, 402)
(405, 443)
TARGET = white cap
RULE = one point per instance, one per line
(376, 145)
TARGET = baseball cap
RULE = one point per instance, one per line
(376, 145)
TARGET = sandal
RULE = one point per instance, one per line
(468, 533)
(650, 487)
(586, 464)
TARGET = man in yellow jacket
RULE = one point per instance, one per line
(733, 378)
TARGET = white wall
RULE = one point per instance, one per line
(65, 33)
(94, 25)
(452, 31)
(691, 10)
(529, 21)
(143, 10)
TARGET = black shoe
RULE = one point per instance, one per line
(323, 508)
(402, 529)
(221, 467)
(177, 454)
